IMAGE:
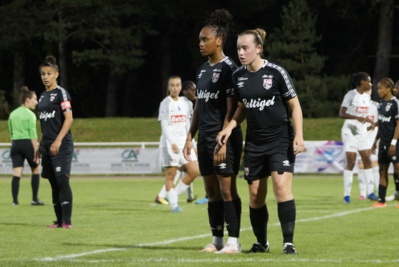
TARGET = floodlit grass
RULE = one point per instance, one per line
(116, 223)
(149, 130)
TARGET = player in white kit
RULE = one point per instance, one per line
(354, 109)
(174, 116)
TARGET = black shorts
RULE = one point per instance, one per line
(21, 150)
(206, 147)
(59, 164)
(260, 160)
(384, 158)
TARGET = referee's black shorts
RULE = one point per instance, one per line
(20, 150)
(59, 164)
(206, 147)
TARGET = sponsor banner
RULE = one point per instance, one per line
(102, 161)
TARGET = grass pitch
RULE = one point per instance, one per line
(116, 223)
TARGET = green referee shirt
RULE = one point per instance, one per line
(22, 124)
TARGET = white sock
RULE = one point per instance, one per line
(162, 193)
(348, 179)
(177, 176)
(368, 174)
(233, 241)
(181, 187)
(172, 198)
(376, 175)
(362, 183)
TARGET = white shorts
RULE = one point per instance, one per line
(171, 159)
(355, 143)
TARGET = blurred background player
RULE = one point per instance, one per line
(22, 127)
(187, 94)
(367, 188)
(395, 195)
(354, 109)
(388, 134)
(174, 116)
(214, 108)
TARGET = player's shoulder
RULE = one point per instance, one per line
(229, 63)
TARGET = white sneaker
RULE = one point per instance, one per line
(394, 196)
(229, 249)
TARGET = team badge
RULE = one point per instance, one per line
(246, 171)
(267, 83)
(52, 96)
(388, 107)
(215, 77)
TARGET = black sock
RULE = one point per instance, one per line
(238, 208)
(396, 180)
(65, 198)
(382, 192)
(287, 215)
(216, 217)
(15, 188)
(55, 193)
(35, 180)
(232, 220)
(259, 218)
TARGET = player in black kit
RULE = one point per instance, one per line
(388, 134)
(266, 94)
(213, 110)
(55, 114)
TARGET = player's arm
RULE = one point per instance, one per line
(344, 115)
(392, 147)
(238, 117)
(66, 126)
(297, 120)
(191, 133)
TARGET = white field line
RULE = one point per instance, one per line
(165, 242)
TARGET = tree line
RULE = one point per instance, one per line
(115, 55)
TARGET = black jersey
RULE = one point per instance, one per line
(388, 114)
(214, 85)
(51, 106)
(264, 94)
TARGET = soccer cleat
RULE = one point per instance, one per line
(202, 201)
(347, 199)
(177, 210)
(394, 196)
(67, 226)
(37, 203)
(229, 249)
(259, 248)
(190, 200)
(54, 225)
(372, 196)
(211, 248)
(289, 248)
(161, 201)
(379, 205)
(15, 203)
(397, 206)
(361, 197)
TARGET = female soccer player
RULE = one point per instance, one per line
(55, 113)
(388, 134)
(174, 116)
(354, 110)
(22, 126)
(213, 110)
(266, 94)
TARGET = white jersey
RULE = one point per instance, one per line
(174, 117)
(357, 105)
(372, 114)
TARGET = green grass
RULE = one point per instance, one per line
(116, 223)
(149, 130)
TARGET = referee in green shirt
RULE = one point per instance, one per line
(22, 126)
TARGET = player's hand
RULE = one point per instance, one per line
(175, 149)
(298, 145)
(187, 150)
(55, 147)
(37, 154)
(222, 137)
(219, 154)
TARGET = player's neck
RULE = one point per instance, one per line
(215, 59)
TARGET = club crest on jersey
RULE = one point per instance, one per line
(52, 97)
(215, 77)
(388, 106)
(267, 83)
